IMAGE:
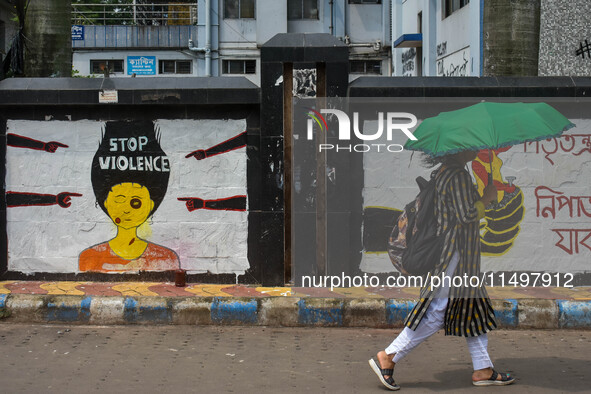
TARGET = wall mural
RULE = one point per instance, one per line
(541, 218)
(129, 175)
(500, 226)
(125, 186)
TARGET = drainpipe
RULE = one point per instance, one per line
(207, 48)
(208, 38)
(331, 2)
(345, 11)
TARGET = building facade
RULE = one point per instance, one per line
(482, 38)
(223, 37)
(437, 37)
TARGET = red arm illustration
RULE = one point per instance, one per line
(17, 199)
(19, 141)
(229, 145)
(236, 203)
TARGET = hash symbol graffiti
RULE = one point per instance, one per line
(584, 49)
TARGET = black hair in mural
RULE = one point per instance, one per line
(130, 152)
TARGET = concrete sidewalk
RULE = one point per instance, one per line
(205, 304)
(68, 358)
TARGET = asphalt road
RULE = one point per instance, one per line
(214, 359)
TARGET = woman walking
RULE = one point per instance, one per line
(462, 311)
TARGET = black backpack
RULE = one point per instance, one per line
(414, 246)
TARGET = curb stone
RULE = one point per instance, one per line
(271, 311)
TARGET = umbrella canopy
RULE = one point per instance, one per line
(487, 125)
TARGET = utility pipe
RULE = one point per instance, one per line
(331, 2)
(207, 48)
(208, 38)
(377, 45)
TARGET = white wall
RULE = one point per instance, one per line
(365, 22)
(453, 41)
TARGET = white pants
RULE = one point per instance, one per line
(431, 322)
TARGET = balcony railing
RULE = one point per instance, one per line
(134, 13)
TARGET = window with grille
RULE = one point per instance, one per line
(175, 67)
(113, 65)
(302, 9)
(451, 6)
(239, 66)
(238, 9)
(365, 67)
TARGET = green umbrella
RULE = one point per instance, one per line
(487, 125)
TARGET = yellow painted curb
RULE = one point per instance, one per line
(135, 289)
(62, 288)
(208, 290)
(4, 290)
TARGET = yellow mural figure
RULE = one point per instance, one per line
(129, 180)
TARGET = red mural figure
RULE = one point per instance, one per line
(481, 166)
(18, 199)
(236, 203)
(19, 141)
(129, 175)
(233, 143)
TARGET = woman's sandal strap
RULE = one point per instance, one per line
(494, 375)
(387, 372)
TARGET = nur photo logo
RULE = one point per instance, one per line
(348, 131)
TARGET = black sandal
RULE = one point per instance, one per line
(492, 381)
(382, 373)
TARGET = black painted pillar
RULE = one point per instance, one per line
(306, 243)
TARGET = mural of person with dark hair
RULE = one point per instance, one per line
(129, 175)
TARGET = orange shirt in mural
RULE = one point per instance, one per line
(102, 258)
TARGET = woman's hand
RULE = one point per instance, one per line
(489, 194)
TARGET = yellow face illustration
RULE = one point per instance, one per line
(129, 204)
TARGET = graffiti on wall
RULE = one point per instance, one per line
(575, 144)
(454, 65)
(139, 168)
(584, 49)
(304, 82)
(441, 49)
(572, 240)
(408, 62)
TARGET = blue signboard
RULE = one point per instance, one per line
(77, 32)
(141, 65)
